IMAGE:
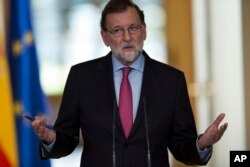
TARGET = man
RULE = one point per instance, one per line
(156, 115)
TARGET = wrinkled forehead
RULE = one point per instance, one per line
(125, 18)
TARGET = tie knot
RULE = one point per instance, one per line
(126, 70)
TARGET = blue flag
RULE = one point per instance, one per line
(26, 88)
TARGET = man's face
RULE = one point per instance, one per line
(127, 45)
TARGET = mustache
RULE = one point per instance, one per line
(127, 44)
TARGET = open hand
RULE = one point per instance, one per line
(213, 133)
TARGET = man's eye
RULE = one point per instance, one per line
(116, 31)
(133, 28)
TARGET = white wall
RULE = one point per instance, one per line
(219, 56)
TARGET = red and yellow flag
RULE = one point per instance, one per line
(8, 146)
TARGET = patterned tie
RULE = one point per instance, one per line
(125, 102)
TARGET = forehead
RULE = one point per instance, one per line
(128, 17)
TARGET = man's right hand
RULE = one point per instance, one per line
(45, 134)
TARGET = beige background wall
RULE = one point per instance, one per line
(226, 39)
(246, 60)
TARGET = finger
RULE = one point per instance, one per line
(46, 122)
(221, 131)
(219, 119)
(40, 121)
(37, 127)
(37, 121)
(40, 131)
(48, 136)
(223, 127)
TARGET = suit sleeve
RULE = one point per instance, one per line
(67, 124)
(182, 143)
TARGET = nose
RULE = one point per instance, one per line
(126, 35)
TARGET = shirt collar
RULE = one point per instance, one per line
(138, 65)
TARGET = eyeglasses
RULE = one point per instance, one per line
(133, 29)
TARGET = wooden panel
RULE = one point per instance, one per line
(179, 40)
(246, 60)
(179, 37)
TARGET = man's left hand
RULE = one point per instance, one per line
(213, 133)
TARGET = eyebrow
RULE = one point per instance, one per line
(116, 27)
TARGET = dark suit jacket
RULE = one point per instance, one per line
(88, 101)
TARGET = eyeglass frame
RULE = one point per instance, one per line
(130, 31)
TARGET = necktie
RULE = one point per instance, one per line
(125, 102)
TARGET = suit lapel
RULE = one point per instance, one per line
(150, 84)
(105, 81)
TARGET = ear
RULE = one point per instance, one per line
(105, 38)
(145, 31)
